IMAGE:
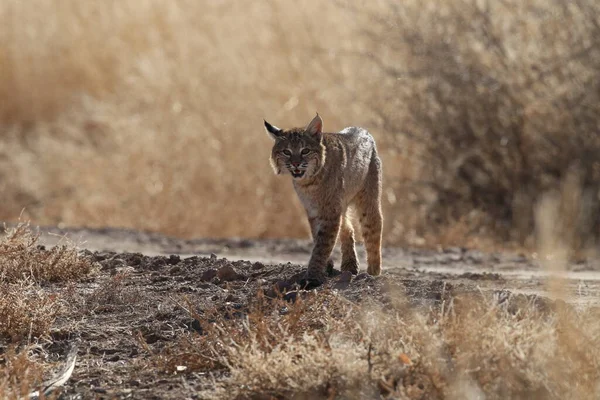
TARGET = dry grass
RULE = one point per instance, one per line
(159, 127)
(493, 104)
(327, 347)
(147, 114)
(22, 259)
(27, 311)
(18, 374)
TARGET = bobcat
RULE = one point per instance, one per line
(332, 172)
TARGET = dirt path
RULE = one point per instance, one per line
(487, 271)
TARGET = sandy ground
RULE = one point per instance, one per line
(132, 311)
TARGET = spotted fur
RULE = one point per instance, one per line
(333, 172)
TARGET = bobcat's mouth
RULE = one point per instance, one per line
(297, 173)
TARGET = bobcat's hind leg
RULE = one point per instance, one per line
(349, 259)
(368, 204)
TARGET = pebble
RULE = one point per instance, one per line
(228, 273)
(209, 274)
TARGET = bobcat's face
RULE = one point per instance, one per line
(298, 152)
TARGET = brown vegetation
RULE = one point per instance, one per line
(500, 103)
(18, 373)
(22, 259)
(148, 114)
(327, 347)
(27, 310)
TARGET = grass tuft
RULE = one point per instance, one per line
(18, 374)
(21, 258)
(27, 311)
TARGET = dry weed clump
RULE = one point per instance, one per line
(22, 259)
(486, 346)
(18, 374)
(26, 311)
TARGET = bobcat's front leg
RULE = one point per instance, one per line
(326, 233)
(314, 227)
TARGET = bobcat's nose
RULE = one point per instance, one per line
(296, 165)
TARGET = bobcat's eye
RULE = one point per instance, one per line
(287, 153)
(305, 152)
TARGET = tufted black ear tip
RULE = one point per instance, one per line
(272, 130)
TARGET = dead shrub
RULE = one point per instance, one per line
(18, 374)
(491, 103)
(26, 311)
(22, 259)
(327, 347)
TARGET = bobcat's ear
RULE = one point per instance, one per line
(315, 126)
(273, 131)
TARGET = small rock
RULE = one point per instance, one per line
(282, 286)
(258, 265)
(343, 281)
(113, 358)
(157, 263)
(230, 298)
(195, 325)
(173, 259)
(213, 256)
(363, 276)
(294, 295)
(112, 264)
(209, 274)
(345, 276)
(227, 273)
(160, 278)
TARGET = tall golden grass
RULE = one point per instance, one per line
(147, 114)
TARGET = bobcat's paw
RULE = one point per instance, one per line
(374, 270)
(310, 281)
(329, 271)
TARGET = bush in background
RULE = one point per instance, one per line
(495, 104)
